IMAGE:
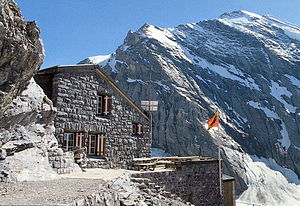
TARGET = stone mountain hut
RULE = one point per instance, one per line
(93, 112)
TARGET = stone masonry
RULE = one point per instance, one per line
(74, 91)
(62, 162)
(196, 182)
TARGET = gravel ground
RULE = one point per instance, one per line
(60, 191)
(54, 192)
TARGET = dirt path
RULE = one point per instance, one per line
(58, 192)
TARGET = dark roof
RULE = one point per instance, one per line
(96, 68)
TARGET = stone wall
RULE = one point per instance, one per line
(196, 182)
(75, 96)
(62, 162)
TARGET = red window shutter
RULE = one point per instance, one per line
(103, 144)
(100, 105)
(79, 139)
(98, 144)
(109, 105)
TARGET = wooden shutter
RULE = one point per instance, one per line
(79, 139)
(139, 129)
(102, 152)
(100, 144)
(105, 105)
(109, 105)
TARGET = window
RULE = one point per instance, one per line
(137, 129)
(69, 142)
(103, 105)
(72, 140)
(96, 144)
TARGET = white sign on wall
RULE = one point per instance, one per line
(149, 105)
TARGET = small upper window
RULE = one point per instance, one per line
(137, 129)
(103, 105)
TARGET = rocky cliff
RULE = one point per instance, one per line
(243, 64)
(26, 120)
(21, 52)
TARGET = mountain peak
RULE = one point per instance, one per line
(240, 13)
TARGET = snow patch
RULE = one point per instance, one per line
(271, 163)
(278, 91)
(297, 148)
(100, 59)
(293, 80)
(269, 113)
(292, 33)
(285, 141)
(134, 80)
(260, 27)
(226, 71)
(290, 30)
(166, 38)
(269, 184)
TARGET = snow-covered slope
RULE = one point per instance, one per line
(244, 64)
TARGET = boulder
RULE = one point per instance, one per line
(21, 52)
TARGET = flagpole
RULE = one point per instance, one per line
(214, 122)
(219, 157)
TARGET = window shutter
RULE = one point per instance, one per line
(83, 140)
(139, 129)
(98, 144)
(109, 105)
(79, 139)
(102, 152)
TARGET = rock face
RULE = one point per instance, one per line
(26, 123)
(243, 64)
(26, 135)
(21, 52)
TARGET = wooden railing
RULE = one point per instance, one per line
(165, 162)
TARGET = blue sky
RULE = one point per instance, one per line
(75, 29)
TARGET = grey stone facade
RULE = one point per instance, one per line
(62, 162)
(74, 91)
(196, 182)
